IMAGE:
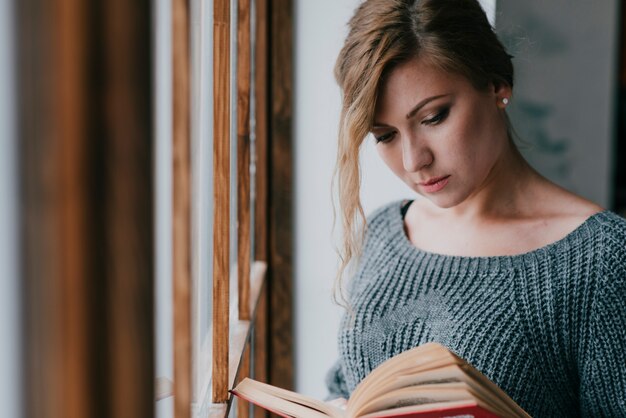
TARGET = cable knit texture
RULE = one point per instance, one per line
(547, 326)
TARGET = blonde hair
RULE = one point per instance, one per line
(453, 35)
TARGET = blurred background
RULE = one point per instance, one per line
(568, 110)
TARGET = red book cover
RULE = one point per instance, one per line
(468, 410)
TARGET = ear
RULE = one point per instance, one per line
(502, 93)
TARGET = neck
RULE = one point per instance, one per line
(506, 192)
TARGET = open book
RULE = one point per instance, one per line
(426, 381)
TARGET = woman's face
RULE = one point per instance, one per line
(432, 125)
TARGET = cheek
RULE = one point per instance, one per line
(472, 128)
(470, 141)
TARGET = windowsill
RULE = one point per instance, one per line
(164, 388)
(239, 334)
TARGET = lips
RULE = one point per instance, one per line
(433, 180)
(434, 184)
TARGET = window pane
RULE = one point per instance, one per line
(163, 199)
(10, 324)
(202, 194)
(233, 138)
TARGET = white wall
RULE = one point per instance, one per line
(10, 324)
(320, 28)
(564, 99)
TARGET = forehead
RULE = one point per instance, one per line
(414, 80)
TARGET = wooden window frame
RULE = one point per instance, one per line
(86, 167)
(264, 286)
(85, 136)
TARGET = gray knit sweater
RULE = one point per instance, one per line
(547, 326)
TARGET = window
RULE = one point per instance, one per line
(222, 127)
(138, 180)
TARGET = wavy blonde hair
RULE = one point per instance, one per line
(453, 35)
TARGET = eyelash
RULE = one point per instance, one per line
(438, 118)
(384, 138)
(435, 120)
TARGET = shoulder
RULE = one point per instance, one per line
(606, 240)
(578, 266)
(612, 226)
(600, 241)
(384, 214)
(383, 223)
(603, 340)
(611, 241)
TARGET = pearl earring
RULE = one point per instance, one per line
(505, 101)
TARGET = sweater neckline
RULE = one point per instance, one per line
(397, 225)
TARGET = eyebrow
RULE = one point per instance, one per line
(423, 103)
(416, 108)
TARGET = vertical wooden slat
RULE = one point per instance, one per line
(86, 145)
(52, 117)
(260, 345)
(53, 109)
(181, 209)
(127, 121)
(221, 176)
(261, 185)
(71, 118)
(281, 227)
(243, 407)
(243, 157)
(261, 91)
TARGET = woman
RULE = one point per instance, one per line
(520, 277)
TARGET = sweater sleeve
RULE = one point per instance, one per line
(603, 369)
(336, 383)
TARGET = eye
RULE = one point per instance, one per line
(438, 118)
(384, 138)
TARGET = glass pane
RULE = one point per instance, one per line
(10, 321)
(233, 139)
(164, 368)
(202, 194)
(252, 126)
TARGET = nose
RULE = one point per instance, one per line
(415, 156)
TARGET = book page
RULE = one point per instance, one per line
(430, 363)
(420, 395)
(293, 403)
(425, 357)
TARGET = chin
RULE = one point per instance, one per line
(443, 205)
(443, 202)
